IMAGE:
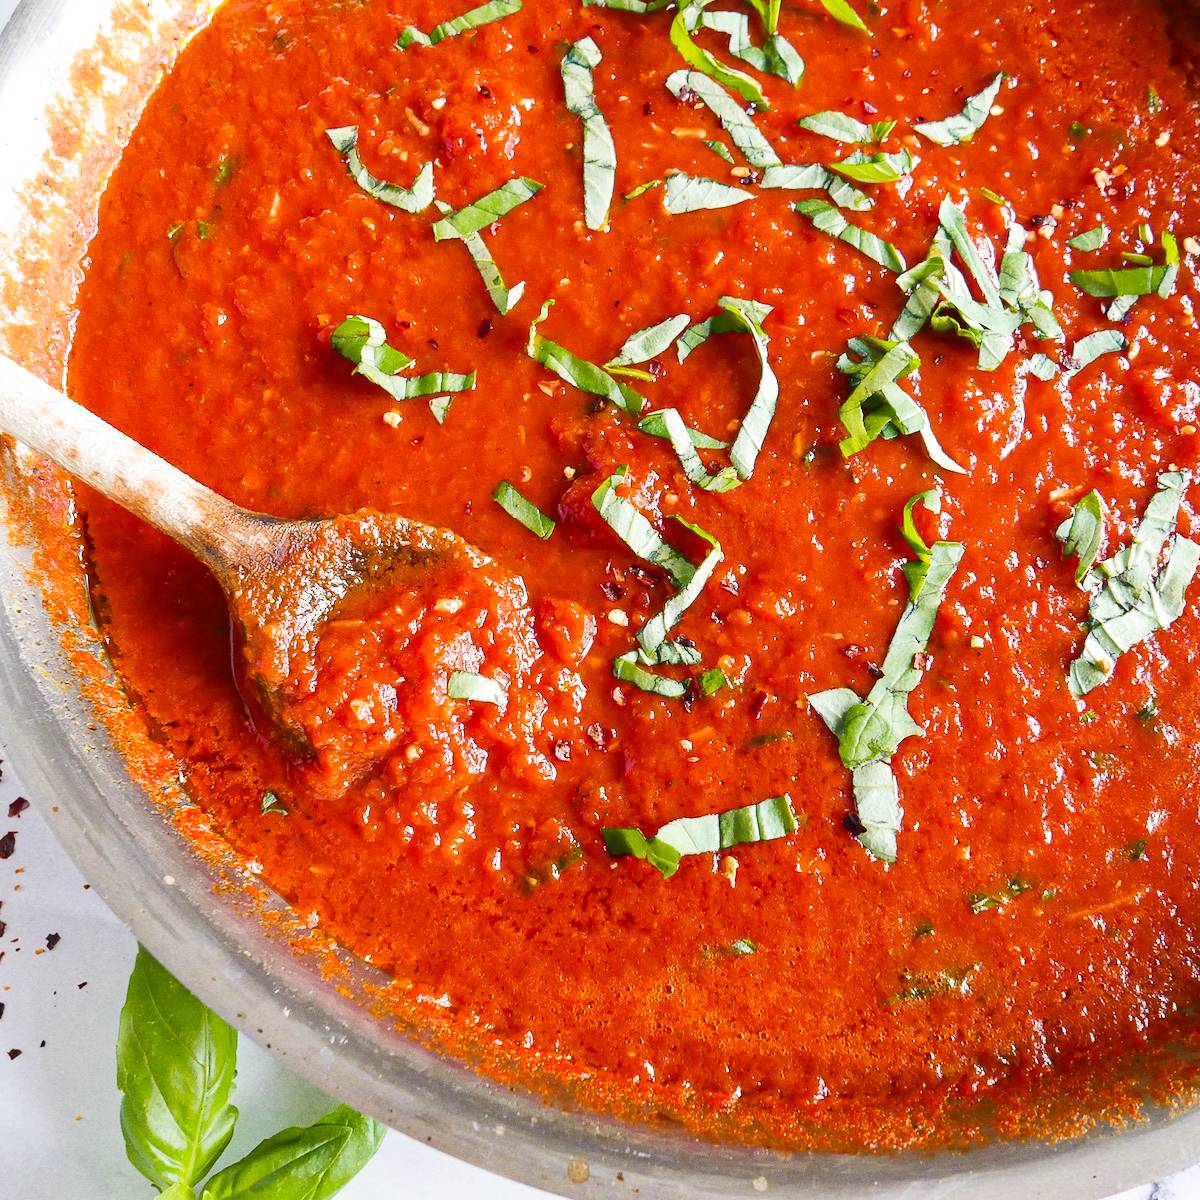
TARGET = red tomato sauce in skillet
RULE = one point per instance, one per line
(1043, 909)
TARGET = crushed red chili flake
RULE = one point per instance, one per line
(52, 940)
(18, 806)
(14, 1053)
(8, 843)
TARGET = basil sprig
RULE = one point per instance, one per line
(871, 730)
(176, 1062)
(599, 149)
(1132, 596)
(363, 341)
(683, 30)
(411, 200)
(473, 19)
(765, 821)
(963, 126)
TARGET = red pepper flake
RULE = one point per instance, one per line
(14, 1054)
(485, 327)
(82, 985)
(601, 737)
(1, 1008)
(758, 702)
(853, 824)
(18, 806)
(8, 843)
(52, 940)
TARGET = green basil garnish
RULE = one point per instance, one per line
(469, 685)
(649, 343)
(1093, 239)
(777, 56)
(875, 168)
(691, 193)
(841, 10)
(842, 128)
(599, 149)
(683, 30)
(520, 509)
(963, 126)
(750, 143)
(1088, 349)
(829, 220)
(483, 15)
(1146, 279)
(796, 177)
(1082, 533)
(411, 200)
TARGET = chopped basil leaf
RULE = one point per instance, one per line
(411, 200)
(829, 220)
(1132, 597)
(720, 150)
(636, 531)
(520, 509)
(712, 681)
(751, 144)
(877, 406)
(723, 322)
(870, 731)
(842, 11)
(483, 15)
(487, 210)
(683, 442)
(1043, 368)
(578, 372)
(1093, 239)
(503, 297)
(655, 650)
(843, 128)
(649, 343)
(777, 56)
(683, 29)
(963, 126)
(363, 341)
(599, 149)
(1082, 533)
(271, 804)
(467, 685)
(1119, 309)
(655, 424)
(797, 177)
(762, 822)
(740, 947)
(1021, 289)
(626, 669)
(440, 407)
(994, 197)
(641, 189)
(691, 193)
(1154, 104)
(641, 7)
(1090, 348)
(1146, 279)
(757, 421)
(875, 168)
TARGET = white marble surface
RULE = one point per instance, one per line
(58, 1097)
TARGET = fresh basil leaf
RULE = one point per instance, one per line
(683, 30)
(641, 7)
(963, 126)
(637, 533)
(468, 685)
(599, 149)
(755, 424)
(797, 177)
(627, 670)
(520, 509)
(751, 144)
(768, 820)
(669, 424)
(1133, 598)
(1088, 349)
(272, 804)
(724, 322)
(829, 220)
(875, 168)
(487, 210)
(649, 343)
(777, 56)
(363, 341)
(691, 193)
(176, 1062)
(410, 200)
(1021, 289)
(720, 150)
(1093, 239)
(1122, 281)
(1082, 533)
(1043, 368)
(483, 15)
(655, 425)
(578, 372)
(842, 128)
(712, 681)
(842, 11)
(652, 637)
(641, 189)
(310, 1163)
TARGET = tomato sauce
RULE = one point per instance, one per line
(1043, 910)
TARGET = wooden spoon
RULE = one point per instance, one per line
(282, 579)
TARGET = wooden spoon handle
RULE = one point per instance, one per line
(217, 531)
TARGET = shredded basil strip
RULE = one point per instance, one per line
(649, 343)
(1146, 279)
(842, 11)
(483, 15)
(683, 30)
(750, 143)
(642, 7)
(624, 519)
(578, 372)
(1088, 349)
(877, 406)
(682, 440)
(724, 322)
(522, 510)
(652, 637)
(691, 193)
(655, 425)
(842, 128)
(1093, 239)
(1082, 533)
(963, 126)
(1043, 368)
(410, 200)
(487, 210)
(875, 168)
(599, 149)
(765, 821)
(720, 150)
(363, 341)
(797, 177)
(1132, 597)
(777, 56)
(829, 220)
(467, 685)
(870, 731)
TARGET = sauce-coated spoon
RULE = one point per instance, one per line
(282, 579)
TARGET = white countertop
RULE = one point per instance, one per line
(58, 1096)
